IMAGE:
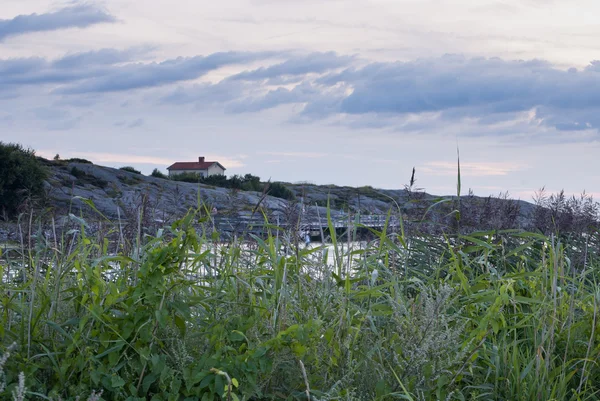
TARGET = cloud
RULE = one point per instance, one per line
(475, 88)
(492, 95)
(298, 66)
(69, 68)
(146, 75)
(136, 123)
(79, 16)
(489, 92)
(100, 57)
(470, 169)
(222, 92)
(112, 70)
(304, 155)
(130, 124)
(302, 93)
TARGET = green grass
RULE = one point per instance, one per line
(486, 316)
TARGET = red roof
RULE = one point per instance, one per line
(193, 166)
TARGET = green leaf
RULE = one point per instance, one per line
(148, 381)
(117, 381)
(111, 349)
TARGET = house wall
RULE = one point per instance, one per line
(215, 170)
(175, 172)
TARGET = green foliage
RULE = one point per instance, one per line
(130, 169)
(485, 316)
(247, 182)
(217, 180)
(279, 190)
(187, 177)
(78, 160)
(158, 174)
(21, 179)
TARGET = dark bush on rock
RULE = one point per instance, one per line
(22, 178)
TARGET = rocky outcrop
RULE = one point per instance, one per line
(78, 188)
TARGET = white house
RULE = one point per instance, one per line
(201, 167)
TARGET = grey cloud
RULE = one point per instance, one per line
(490, 91)
(208, 94)
(136, 123)
(79, 16)
(72, 67)
(111, 70)
(64, 125)
(299, 65)
(50, 113)
(300, 94)
(473, 88)
(100, 57)
(131, 124)
(136, 76)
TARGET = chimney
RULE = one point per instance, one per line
(201, 159)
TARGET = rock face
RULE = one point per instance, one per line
(121, 194)
(115, 193)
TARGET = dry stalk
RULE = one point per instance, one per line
(307, 391)
(229, 387)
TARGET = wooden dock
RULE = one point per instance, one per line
(312, 224)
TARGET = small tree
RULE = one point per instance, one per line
(158, 174)
(279, 190)
(21, 178)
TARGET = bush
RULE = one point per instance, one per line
(158, 174)
(218, 180)
(21, 178)
(279, 190)
(187, 177)
(247, 182)
(78, 160)
(130, 170)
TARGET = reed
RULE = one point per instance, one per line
(494, 315)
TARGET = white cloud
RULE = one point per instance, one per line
(471, 169)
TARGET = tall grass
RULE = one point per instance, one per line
(499, 315)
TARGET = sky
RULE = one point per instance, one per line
(353, 92)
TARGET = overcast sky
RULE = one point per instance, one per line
(354, 92)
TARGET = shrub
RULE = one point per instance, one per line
(217, 180)
(279, 190)
(251, 183)
(158, 174)
(130, 169)
(21, 178)
(78, 160)
(187, 177)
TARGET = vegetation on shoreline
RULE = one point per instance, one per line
(499, 315)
